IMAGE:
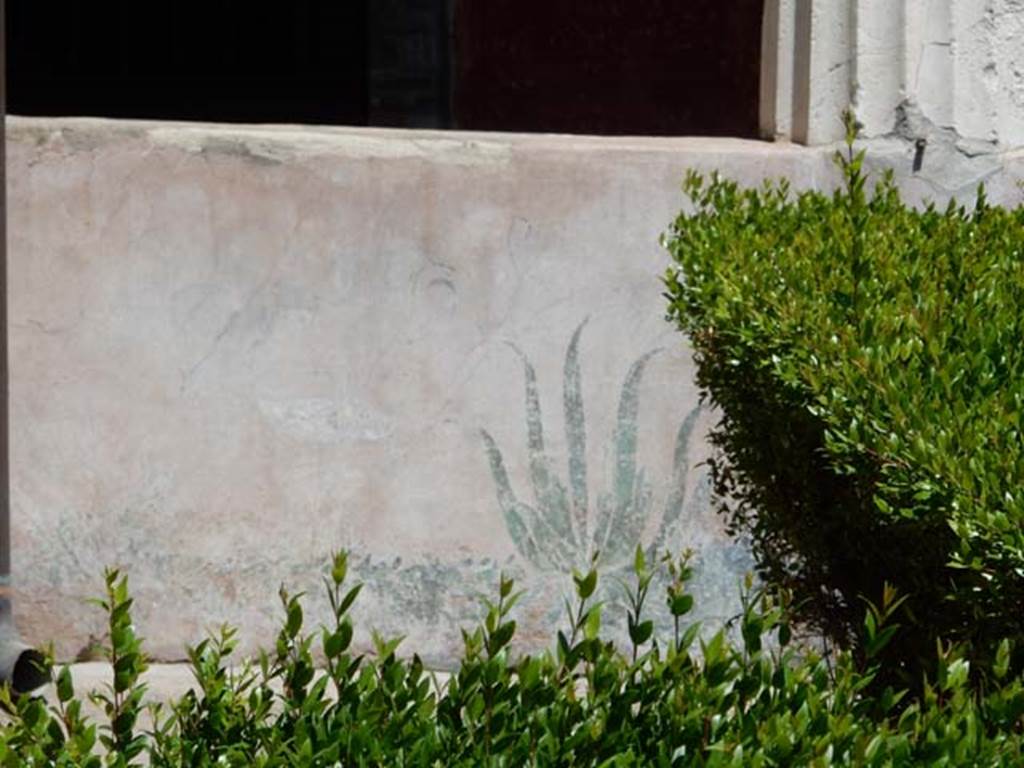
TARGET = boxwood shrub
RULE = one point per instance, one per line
(752, 697)
(867, 358)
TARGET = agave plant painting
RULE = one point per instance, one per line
(561, 527)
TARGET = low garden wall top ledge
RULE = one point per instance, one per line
(936, 171)
(280, 143)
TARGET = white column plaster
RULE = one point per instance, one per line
(878, 76)
(822, 71)
(776, 116)
(942, 70)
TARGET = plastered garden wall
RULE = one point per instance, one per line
(234, 350)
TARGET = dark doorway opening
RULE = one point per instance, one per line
(216, 60)
(657, 67)
(665, 67)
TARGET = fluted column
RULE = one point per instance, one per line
(945, 69)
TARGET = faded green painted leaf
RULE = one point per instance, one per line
(622, 513)
(555, 550)
(506, 497)
(605, 515)
(549, 494)
(514, 522)
(680, 469)
(629, 521)
(575, 435)
(625, 436)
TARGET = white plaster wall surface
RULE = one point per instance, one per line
(942, 80)
(988, 46)
(830, 65)
(878, 68)
(960, 65)
(948, 73)
(236, 349)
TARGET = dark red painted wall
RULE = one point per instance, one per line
(669, 67)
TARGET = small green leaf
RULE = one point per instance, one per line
(639, 561)
(680, 605)
(592, 624)
(339, 569)
(350, 598)
(294, 621)
(65, 687)
(641, 632)
(586, 585)
(1002, 662)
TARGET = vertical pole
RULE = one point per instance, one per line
(5, 494)
(21, 667)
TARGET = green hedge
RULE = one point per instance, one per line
(868, 361)
(671, 701)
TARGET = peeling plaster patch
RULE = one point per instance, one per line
(257, 152)
(320, 420)
(80, 136)
(267, 145)
(90, 141)
(971, 148)
(953, 165)
(271, 146)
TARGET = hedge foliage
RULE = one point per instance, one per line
(673, 701)
(868, 361)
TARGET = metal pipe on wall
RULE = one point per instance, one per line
(20, 666)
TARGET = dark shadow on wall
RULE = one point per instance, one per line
(216, 60)
(657, 67)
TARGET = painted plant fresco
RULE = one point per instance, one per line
(564, 526)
